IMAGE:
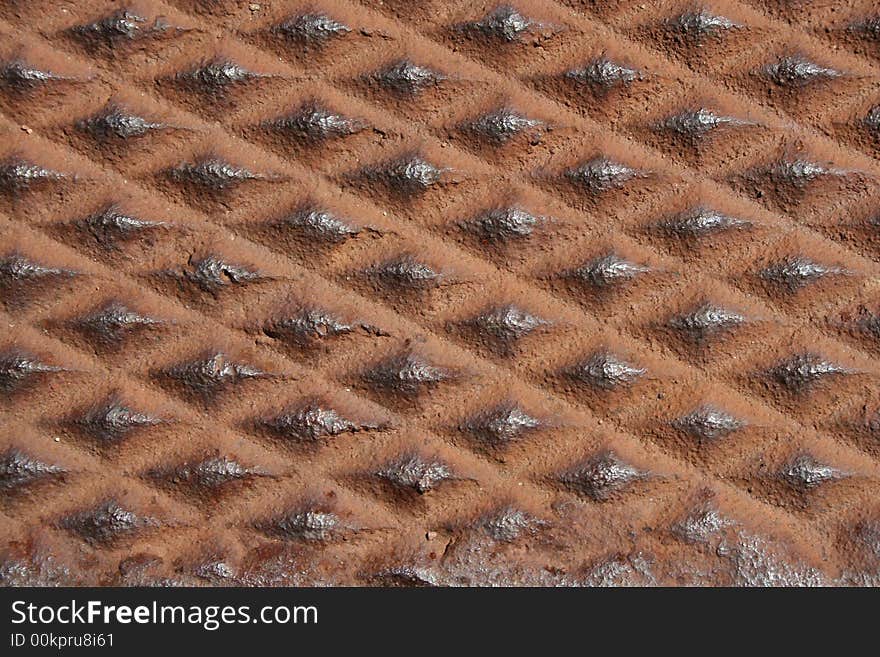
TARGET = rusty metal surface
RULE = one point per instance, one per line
(441, 293)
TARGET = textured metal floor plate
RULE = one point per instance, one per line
(439, 293)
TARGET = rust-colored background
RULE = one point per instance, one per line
(500, 404)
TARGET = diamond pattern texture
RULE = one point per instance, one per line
(443, 293)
